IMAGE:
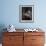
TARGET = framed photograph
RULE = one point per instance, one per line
(26, 13)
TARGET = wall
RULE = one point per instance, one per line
(9, 13)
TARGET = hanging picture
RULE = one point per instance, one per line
(26, 13)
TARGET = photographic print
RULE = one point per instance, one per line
(26, 13)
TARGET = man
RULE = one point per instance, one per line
(27, 15)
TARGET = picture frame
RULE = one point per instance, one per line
(26, 13)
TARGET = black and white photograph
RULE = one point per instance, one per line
(26, 13)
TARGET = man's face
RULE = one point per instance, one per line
(28, 11)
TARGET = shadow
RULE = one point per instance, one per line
(2, 29)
